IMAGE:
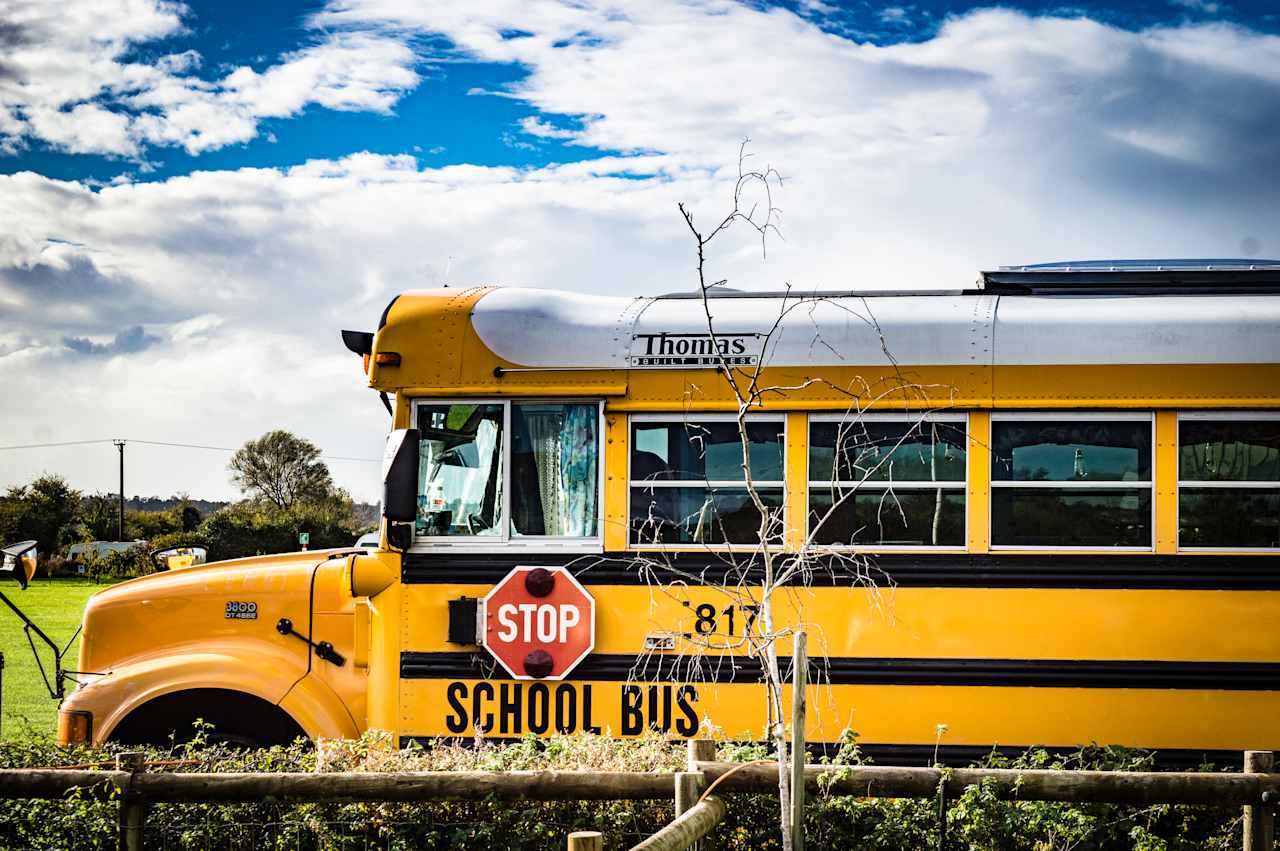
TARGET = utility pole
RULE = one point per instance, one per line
(120, 445)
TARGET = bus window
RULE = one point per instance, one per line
(887, 480)
(1229, 481)
(1071, 480)
(460, 470)
(555, 458)
(687, 480)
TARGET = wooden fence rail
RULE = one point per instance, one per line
(1109, 787)
(690, 826)
(1257, 790)
(863, 781)
(343, 787)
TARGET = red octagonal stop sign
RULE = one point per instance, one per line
(538, 622)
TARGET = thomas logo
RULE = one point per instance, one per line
(694, 350)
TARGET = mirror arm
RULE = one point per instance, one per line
(386, 403)
(55, 690)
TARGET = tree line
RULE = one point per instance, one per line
(287, 490)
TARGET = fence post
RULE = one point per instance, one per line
(701, 750)
(586, 840)
(689, 786)
(1259, 818)
(133, 813)
(799, 753)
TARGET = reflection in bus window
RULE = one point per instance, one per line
(686, 480)
(460, 470)
(1066, 450)
(554, 469)
(1066, 481)
(704, 451)
(1229, 482)
(700, 515)
(887, 481)
(1049, 517)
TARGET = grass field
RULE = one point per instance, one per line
(56, 606)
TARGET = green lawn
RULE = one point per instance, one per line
(56, 606)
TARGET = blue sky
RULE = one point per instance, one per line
(445, 120)
(195, 198)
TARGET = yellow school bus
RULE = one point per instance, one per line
(1060, 487)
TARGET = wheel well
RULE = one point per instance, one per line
(236, 718)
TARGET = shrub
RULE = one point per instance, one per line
(977, 820)
(248, 529)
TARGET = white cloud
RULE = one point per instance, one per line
(1205, 6)
(66, 80)
(1005, 138)
(535, 126)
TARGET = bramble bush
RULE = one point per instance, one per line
(977, 820)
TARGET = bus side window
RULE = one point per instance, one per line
(460, 470)
(1071, 480)
(1229, 481)
(687, 484)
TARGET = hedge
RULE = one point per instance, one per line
(976, 819)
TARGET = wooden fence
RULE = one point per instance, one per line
(698, 811)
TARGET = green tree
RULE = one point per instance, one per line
(45, 510)
(190, 516)
(99, 515)
(247, 529)
(282, 469)
(145, 525)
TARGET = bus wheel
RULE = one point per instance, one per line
(221, 716)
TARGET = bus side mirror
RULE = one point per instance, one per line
(177, 557)
(19, 561)
(400, 486)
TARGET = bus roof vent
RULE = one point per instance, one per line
(1218, 276)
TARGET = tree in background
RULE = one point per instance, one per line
(99, 517)
(45, 510)
(282, 469)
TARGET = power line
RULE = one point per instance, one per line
(178, 445)
(45, 445)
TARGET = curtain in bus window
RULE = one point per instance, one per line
(554, 469)
(579, 450)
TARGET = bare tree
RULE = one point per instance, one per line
(754, 578)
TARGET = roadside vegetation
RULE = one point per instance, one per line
(287, 491)
(976, 820)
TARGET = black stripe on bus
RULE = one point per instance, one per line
(1055, 673)
(1136, 571)
(929, 755)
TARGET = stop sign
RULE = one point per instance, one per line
(538, 622)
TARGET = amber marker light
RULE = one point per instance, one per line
(387, 358)
(75, 727)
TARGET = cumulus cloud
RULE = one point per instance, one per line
(1004, 138)
(70, 81)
